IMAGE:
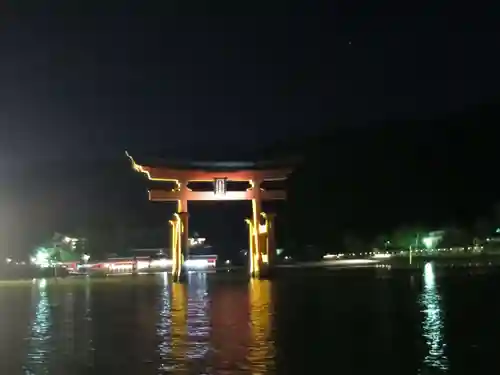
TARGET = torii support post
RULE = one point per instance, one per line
(184, 245)
(180, 241)
(262, 242)
(262, 245)
(257, 240)
(175, 237)
(252, 253)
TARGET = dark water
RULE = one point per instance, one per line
(345, 321)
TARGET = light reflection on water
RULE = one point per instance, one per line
(88, 348)
(184, 325)
(179, 328)
(230, 329)
(433, 324)
(164, 326)
(198, 319)
(227, 332)
(223, 324)
(60, 337)
(40, 344)
(261, 354)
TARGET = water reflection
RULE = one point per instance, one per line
(83, 325)
(261, 352)
(230, 328)
(172, 327)
(40, 339)
(179, 327)
(67, 344)
(198, 320)
(227, 331)
(85, 334)
(224, 324)
(164, 325)
(433, 323)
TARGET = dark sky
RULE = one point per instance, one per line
(87, 80)
(114, 75)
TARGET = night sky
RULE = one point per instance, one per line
(81, 82)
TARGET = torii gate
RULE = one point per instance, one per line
(262, 242)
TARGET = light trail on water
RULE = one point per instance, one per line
(433, 323)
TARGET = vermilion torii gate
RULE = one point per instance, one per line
(262, 243)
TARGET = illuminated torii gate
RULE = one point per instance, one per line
(262, 242)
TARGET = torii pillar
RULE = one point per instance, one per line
(262, 242)
(184, 236)
(257, 238)
(180, 237)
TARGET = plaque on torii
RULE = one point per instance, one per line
(262, 246)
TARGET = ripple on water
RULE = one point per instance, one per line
(213, 324)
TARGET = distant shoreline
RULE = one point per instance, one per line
(396, 262)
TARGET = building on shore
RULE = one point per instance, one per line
(201, 256)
